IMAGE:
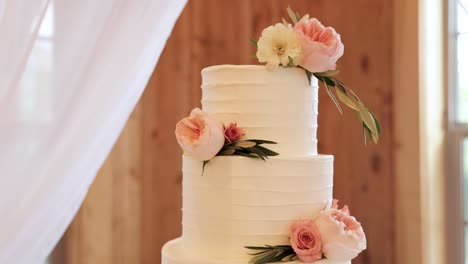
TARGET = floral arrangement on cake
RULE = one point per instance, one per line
(334, 235)
(203, 137)
(308, 44)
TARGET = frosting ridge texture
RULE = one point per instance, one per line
(281, 106)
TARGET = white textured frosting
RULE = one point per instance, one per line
(276, 105)
(240, 202)
(236, 201)
(174, 253)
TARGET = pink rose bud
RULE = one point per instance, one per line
(342, 235)
(232, 133)
(305, 240)
(199, 135)
(321, 45)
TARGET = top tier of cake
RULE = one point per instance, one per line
(278, 105)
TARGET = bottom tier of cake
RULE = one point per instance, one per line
(175, 253)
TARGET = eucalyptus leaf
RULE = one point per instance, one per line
(364, 133)
(292, 15)
(271, 254)
(254, 42)
(375, 138)
(368, 120)
(346, 99)
(298, 16)
(203, 167)
(332, 96)
(258, 248)
(268, 152)
(350, 99)
(261, 141)
(328, 73)
(379, 131)
(248, 155)
(346, 89)
(309, 76)
(257, 152)
(227, 152)
(229, 145)
(326, 80)
(258, 253)
(285, 22)
(245, 144)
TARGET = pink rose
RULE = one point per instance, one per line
(199, 135)
(321, 45)
(232, 133)
(305, 240)
(342, 236)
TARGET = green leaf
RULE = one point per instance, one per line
(328, 73)
(326, 80)
(332, 96)
(258, 253)
(298, 16)
(309, 76)
(379, 131)
(203, 168)
(292, 15)
(254, 42)
(226, 152)
(253, 56)
(271, 254)
(257, 248)
(349, 101)
(364, 130)
(346, 89)
(285, 22)
(257, 152)
(368, 120)
(229, 144)
(267, 152)
(245, 144)
(261, 141)
(248, 155)
(375, 138)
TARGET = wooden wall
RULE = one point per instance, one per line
(133, 208)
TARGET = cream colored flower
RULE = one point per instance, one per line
(277, 44)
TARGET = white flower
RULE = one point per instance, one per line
(277, 44)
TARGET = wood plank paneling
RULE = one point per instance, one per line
(134, 206)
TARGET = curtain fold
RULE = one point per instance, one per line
(88, 67)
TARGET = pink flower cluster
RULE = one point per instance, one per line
(308, 44)
(333, 234)
(202, 137)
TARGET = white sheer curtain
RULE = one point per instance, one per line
(66, 91)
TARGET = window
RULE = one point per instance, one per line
(458, 129)
(34, 95)
(462, 60)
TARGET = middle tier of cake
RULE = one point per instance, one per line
(235, 201)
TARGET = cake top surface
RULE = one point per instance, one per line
(249, 67)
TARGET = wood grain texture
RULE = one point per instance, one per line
(134, 206)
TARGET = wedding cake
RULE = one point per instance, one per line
(255, 190)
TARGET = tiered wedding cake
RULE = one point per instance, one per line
(246, 203)
(239, 201)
